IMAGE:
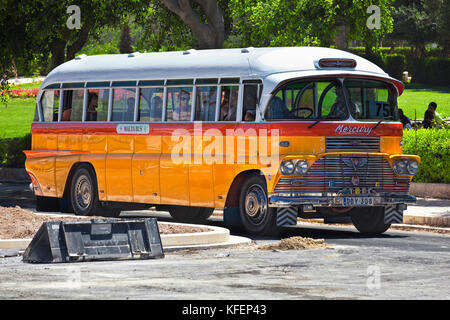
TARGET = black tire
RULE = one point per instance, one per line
(256, 216)
(369, 220)
(205, 213)
(84, 192)
(190, 214)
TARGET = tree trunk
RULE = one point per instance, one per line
(57, 48)
(125, 40)
(78, 44)
(209, 35)
(342, 29)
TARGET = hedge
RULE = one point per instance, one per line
(430, 70)
(433, 147)
(11, 154)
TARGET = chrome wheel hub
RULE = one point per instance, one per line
(83, 192)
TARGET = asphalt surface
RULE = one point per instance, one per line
(396, 265)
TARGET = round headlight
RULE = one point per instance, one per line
(287, 167)
(301, 167)
(400, 166)
(413, 167)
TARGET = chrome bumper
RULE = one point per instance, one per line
(336, 201)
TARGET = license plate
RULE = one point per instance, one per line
(358, 201)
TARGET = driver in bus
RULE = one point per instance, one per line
(338, 109)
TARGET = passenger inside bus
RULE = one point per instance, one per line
(250, 115)
(130, 112)
(278, 108)
(156, 108)
(91, 114)
(66, 114)
(183, 112)
(224, 106)
(250, 101)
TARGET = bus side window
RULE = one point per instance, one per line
(228, 103)
(205, 106)
(97, 105)
(249, 103)
(123, 104)
(50, 105)
(150, 104)
(179, 102)
(72, 107)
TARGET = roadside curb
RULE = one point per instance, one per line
(440, 222)
(430, 190)
(218, 238)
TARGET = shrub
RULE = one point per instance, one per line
(433, 147)
(395, 65)
(11, 151)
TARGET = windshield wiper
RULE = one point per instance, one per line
(381, 120)
(313, 124)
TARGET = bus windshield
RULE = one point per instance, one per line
(371, 100)
(308, 100)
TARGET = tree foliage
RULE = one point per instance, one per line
(420, 22)
(307, 22)
(41, 25)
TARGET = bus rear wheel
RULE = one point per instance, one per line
(369, 220)
(83, 192)
(256, 215)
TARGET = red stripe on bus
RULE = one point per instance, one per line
(284, 129)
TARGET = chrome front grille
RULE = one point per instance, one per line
(352, 144)
(336, 175)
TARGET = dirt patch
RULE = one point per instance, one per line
(18, 223)
(295, 243)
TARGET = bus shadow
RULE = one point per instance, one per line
(310, 231)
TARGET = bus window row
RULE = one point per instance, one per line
(211, 103)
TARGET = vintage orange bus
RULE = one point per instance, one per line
(266, 134)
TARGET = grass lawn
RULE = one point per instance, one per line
(418, 96)
(15, 120)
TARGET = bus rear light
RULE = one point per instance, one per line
(36, 186)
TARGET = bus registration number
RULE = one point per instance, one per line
(358, 201)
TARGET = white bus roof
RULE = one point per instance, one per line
(217, 63)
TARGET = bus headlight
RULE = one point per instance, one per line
(287, 167)
(400, 166)
(406, 166)
(301, 167)
(413, 167)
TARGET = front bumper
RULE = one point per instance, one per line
(339, 201)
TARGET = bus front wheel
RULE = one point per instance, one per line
(369, 220)
(256, 215)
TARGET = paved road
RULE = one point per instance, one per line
(396, 265)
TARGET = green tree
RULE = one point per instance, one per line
(420, 22)
(282, 23)
(308, 22)
(41, 26)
